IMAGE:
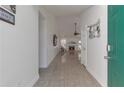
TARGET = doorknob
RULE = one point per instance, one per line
(107, 57)
(108, 48)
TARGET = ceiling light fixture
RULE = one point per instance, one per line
(76, 33)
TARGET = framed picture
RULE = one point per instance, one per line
(7, 16)
(10, 8)
(94, 30)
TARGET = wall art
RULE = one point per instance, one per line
(7, 16)
(10, 8)
(94, 30)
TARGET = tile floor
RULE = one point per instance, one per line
(66, 71)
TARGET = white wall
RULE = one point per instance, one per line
(19, 49)
(66, 26)
(97, 65)
(50, 30)
(42, 41)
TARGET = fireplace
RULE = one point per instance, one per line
(71, 47)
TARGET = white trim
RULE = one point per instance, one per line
(96, 77)
(30, 83)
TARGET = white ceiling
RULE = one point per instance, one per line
(65, 10)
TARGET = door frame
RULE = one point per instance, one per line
(84, 47)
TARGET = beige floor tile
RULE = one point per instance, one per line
(66, 71)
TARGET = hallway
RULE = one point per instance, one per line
(34, 40)
(66, 71)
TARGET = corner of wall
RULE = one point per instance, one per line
(96, 77)
(30, 83)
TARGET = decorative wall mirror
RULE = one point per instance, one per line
(54, 40)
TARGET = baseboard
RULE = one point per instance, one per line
(45, 66)
(34, 81)
(53, 59)
(96, 77)
(30, 83)
(48, 63)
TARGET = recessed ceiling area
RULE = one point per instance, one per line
(65, 10)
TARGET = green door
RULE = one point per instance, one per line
(115, 46)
